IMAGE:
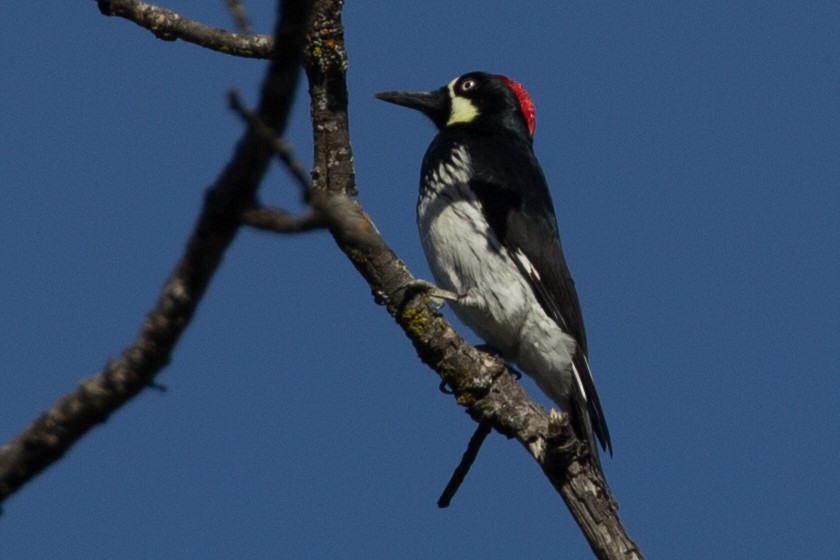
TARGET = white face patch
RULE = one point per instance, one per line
(463, 110)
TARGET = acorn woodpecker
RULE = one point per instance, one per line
(489, 232)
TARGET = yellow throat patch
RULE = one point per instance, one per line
(463, 110)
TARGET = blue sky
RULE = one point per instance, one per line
(693, 153)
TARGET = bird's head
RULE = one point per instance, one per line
(477, 99)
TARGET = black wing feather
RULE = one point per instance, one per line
(533, 231)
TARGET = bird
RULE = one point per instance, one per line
(489, 232)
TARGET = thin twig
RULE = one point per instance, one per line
(240, 15)
(481, 432)
(281, 148)
(170, 26)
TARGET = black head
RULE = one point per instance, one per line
(477, 99)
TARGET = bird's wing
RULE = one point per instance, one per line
(532, 238)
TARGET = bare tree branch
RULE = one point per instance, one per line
(170, 26)
(480, 382)
(281, 148)
(463, 467)
(56, 430)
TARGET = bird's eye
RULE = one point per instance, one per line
(467, 85)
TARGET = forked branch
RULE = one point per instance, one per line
(97, 397)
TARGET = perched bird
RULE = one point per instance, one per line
(489, 232)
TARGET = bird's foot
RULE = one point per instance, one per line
(438, 295)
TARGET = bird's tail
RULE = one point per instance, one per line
(581, 421)
(586, 414)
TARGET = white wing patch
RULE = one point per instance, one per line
(579, 382)
(526, 265)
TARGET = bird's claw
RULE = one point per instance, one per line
(438, 295)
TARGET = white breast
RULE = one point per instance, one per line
(466, 258)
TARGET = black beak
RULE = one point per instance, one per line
(434, 104)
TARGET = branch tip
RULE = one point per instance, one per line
(168, 25)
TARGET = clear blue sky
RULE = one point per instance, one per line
(693, 151)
